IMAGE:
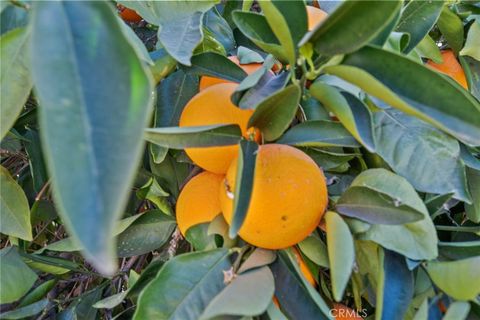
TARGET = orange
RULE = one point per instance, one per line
(207, 81)
(342, 312)
(128, 15)
(303, 267)
(315, 16)
(198, 201)
(451, 67)
(213, 106)
(289, 197)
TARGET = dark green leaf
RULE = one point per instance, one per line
(36, 162)
(215, 65)
(472, 44)
(103, 120)
(247, 157)
(472, 73)
(346, 29)
(26, 311)
(249, 294)
(199, 237)
(451, 26)
(38, 293)
(459, 250)
(274, 114)
(417, 18)
(267, 85)
(202, 136)
(16, 278)
(418, 91)
(217, 25)
(318, 133)
(13, 17)
(14, 210)
(473, 210)
(15, 76)
(184, 286)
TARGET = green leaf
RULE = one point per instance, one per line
(26, 311)
(38, 293)
(473, 210)
(426, 152)
(163, 64)
(255, 27)
(215, 65)
(314, 249)
(219, 27)
(199, 237)
(111, 301)
(459, 250)
(451, 26)
(341, 253)
(16, 278)
(472, 44)
(379, 196)
(330, 160)
(346, 29)
(13, 17)
(147, 233)
(14, 75)
(210, 44)
(258, 258)
(247, 156)
(288, 21)
(458, 310)
(247, 56)
(472, 73)
(35, 160)
(420, 91)
(352, 112)
(249, 294)
(427, 48)
(184, 286)
(200, 136)
(14, 209)
(459, 279)
(319, 133)
(417, 18)
(274, 114)
(104, 118)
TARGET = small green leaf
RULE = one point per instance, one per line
(184, 286)
(458, 310)
(258, 258)
(346, 29)
(459, 279)
(314, 249)
(14, 210)
(215, 65)
(473, 210)
(420, 91)
(427, 48)
(341, 253)
(247, 56)
(14, 75)
(38, 293)
(26, 311)
(417, 18)
(319, 133)
(247, 156)
(249, 294)
(16, 278)
(352, 112)
(201, 136)
(275, 113)
(451, 26)
(472, 45)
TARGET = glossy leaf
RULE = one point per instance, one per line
(341, 253)
(335, 36)
(395, 287)
(274, 114)
(459, 279)
(201, 136)
(473, 210)
(16, 278)
(149, 232)
(26, 311)
(426, 152)
(420, 91)
(352, 112)
(14, 209)
(472, 44)
(247, 156)
(417, 18)
(14, 75)
(184, 286)
(451, 26)
(318, 133)
(102, 122)
(249, 294)
(215, 65)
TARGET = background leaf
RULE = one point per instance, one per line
(452, 28)
(473, 210)
(16, 278)
(472, 44)
(26, 311)
(92, 197)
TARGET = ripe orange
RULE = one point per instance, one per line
(207, 81)
(213, 106)
(342, 312)
(288, 199)
(303, 267)
(129, 15)
(315, 16)
(451, 67)
(198, 201)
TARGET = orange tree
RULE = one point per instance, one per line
(240, 159)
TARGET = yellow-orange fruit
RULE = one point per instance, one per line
(315, 16)
(451, 67)
(129, 15)
(289, 197)
(304, 268)
(198, 201)
(213, 106)
(207, 81)
(342, 312)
